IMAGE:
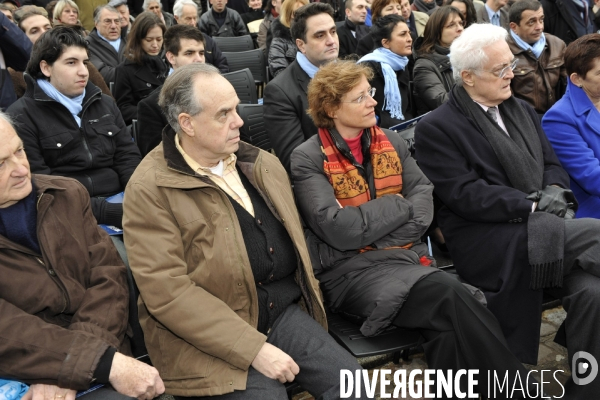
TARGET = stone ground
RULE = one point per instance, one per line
(551, 355)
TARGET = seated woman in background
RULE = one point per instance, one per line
(379, 8)
(366, 204)
(65, 12)
(432, 73)
(466, 8)
(144, 70)
(391, 77)
(573, 123)
(282, 51)
(255, 12)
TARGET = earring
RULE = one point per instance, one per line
(580, 86)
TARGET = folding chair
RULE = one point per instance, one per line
(253, 131)
(253, 59)
(234, 44)
(243, 83)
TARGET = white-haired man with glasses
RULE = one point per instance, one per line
(508, 211)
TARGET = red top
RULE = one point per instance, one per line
(356, 147)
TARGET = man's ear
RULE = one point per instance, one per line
(467, 78)
(513, 27)
(185, 124)
(170, 57)
(347, 13)
(45, 68)
(301, 46)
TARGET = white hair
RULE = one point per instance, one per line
(147, 4)
(178, 7)
(7, 118)
(467, 51)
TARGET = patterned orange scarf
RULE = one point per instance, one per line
(350, 187)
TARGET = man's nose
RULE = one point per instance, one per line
(21, 168)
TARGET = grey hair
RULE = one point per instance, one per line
(147, 4)
(467, 52)
(177, 95)
(178, 7)
(7, 118)
(99, 9)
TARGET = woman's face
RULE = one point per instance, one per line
(392, 8)
(277, 5)
(400, 41)
(462, 7)
(452, 29)
(352, 116)
(152, 43)
(255, 4)
(69, 15)
(591, 82)
(155, 8)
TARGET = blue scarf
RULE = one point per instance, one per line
(390, 63)
(306, 65)
(114, 43)
(73, 104)
(537, 47)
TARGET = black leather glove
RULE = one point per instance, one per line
(554, 200)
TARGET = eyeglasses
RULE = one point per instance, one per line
(361, 98)
(109, 22)
(502, 73)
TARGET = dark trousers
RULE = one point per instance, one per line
(459, 332)
(580, 294)
(105, 394)
(317, 354)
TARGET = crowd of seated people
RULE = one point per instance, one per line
(334, 217)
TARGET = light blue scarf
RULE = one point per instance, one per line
(114, 43)
(306, 65)
(73, 104)
(537, 47)
(390, 62)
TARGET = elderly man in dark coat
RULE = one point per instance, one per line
(507, 214)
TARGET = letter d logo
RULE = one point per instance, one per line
(580, 368)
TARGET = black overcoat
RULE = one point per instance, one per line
(484, 220)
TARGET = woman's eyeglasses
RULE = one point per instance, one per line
(360, 99)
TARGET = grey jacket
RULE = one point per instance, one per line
(432, 80)
(103, 55)
(335, 235)
(233, 25)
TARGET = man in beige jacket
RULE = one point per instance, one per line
(217, 249)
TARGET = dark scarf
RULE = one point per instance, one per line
(441, 49)
(522, 158)
(19, 221)
(156, 65)
(427, 8)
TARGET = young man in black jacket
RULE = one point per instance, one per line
(69, 127)
(183, 45)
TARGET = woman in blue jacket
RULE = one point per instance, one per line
(573, 123)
